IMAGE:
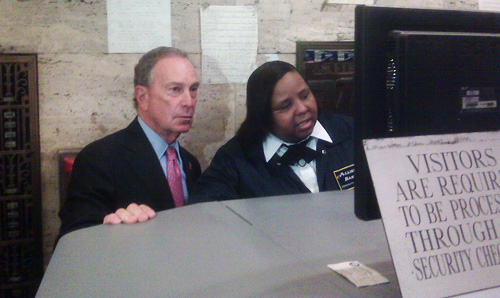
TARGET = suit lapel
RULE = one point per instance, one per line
(139, 153)
(324, 163)
(290, 175)
(330, 159)
(187, 167)
(283, 174)
(331, 156)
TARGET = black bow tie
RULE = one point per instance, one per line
(298, 152)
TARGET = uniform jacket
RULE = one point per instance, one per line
(238, 171)
(115, 171)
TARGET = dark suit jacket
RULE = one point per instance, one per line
(238, 171)
(115, 171)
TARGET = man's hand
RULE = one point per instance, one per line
(133, 214)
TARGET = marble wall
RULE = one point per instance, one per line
(86, 93)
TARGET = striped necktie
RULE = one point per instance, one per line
(175, 177)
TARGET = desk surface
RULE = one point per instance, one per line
(272, 247)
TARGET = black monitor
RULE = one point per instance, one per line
(421, 72)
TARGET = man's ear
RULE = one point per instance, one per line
(142, 96)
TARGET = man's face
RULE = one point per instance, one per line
(168, 104)
(293, 108)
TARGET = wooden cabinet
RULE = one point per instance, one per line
(328, 68)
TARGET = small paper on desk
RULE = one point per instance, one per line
(359, 274)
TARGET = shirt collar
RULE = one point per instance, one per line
(158, 143)
(272, 143)
(320, 133)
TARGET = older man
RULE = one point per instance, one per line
(127, 176)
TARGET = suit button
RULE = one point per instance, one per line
(323, 151)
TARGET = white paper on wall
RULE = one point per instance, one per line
(229, 38)
(365, 2)
(138, 26)
(493, 5)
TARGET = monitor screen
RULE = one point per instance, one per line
(421, 72)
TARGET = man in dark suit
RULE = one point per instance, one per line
(283, 146)
(127, 176)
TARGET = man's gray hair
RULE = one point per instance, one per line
(143, 71)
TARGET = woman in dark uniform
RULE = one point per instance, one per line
(283, 146)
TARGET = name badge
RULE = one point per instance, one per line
(345, 177)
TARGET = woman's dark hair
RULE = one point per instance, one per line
(260, 88)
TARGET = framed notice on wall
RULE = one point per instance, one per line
(328, 68)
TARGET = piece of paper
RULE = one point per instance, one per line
(493, 5)
(365, 2)
(229, 38)
(138, 26)
(359, 274)
(439, 197)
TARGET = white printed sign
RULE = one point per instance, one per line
(439, 197)
(138, 26)
(363, 2)
(229, 40)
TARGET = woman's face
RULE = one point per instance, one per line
(293, 108)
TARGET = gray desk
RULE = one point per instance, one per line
(269, 247)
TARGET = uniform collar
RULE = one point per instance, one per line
(272, 143)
